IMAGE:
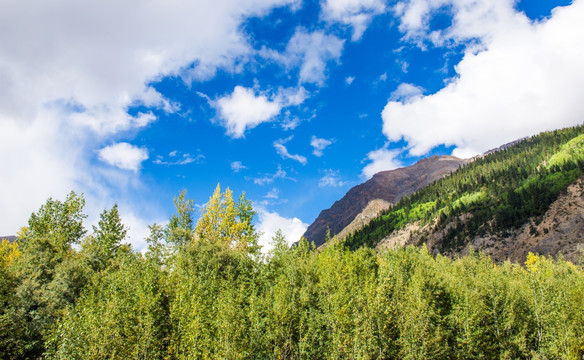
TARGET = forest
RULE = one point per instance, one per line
(204, 290)
(494, 194)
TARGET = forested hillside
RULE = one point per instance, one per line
(492, 195)
(203, 290)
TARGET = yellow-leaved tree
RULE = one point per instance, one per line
(227, 223)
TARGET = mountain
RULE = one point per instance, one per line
(9, 238)
(528, 196)
(389, 186)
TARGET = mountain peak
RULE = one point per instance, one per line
(390, 186)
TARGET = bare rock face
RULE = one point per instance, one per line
(389, 186)
(371, 211)
(560, 232)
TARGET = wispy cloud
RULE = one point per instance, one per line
(237, 166)
(185, 159)
(272, 194)
(270, 178)
(311, 52)
(331, 178)
(319, 144)
(283, 151)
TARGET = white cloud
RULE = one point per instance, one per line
(243, 110)
(290, 122)
(185, 159)
(270, 222)
(273, 194)
(381, 160)
(270, 178)
(471, 19)
(319, 144)
(124, 156)
(356, 13)
(526, 78)
(331, 178)
(349, 80)
(70, 72)
(406, 93)
(292, 96)
(237, 166)
(35, 165)
(312, 51)
(137, 230)
(283, 151)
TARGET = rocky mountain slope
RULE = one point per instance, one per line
(526, 197)
(560, 231)
(11, 238)
(389, 186)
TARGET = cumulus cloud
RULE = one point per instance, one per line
(123, 155)
(70, 73)
(331, 178)
(349, 80)
(319, 144)
(381, 160)
(471, 19)
(35, 164)
(244, 109)
(283, 151)
(237, 166)
(355, 13)
(269, 223)
(526, 78)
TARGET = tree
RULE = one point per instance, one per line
(180, 227)
(107, 238)
(50, 275)
(121, 314)
(227, 223)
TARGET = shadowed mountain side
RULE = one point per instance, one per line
(389, 186)
(371, 211)
(11, 238)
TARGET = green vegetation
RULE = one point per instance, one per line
(494, 194)
(203, 290)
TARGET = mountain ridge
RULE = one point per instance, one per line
(526, 197)
(389, 186)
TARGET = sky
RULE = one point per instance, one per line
(291, 101)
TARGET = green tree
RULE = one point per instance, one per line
(180, 227)
(214, 284)
(107, 238)
(49, 273)
(121, 314)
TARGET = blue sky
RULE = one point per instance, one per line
(293, 102)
